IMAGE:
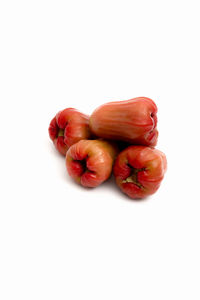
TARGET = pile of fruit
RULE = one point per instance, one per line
(118, 136)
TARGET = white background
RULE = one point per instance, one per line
(61, 241)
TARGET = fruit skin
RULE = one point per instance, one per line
(67, 128)
(89, 162)
(133, 121)
(139, 170)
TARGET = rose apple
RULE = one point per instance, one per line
(67, 128)
(89, 162)
(133, 121)
(139, 170)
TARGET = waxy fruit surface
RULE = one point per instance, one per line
(139, 170)
(67, 128)
(89, 162)
(133, 121)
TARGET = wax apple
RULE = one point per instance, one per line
(133, 121)
(139, 170)
(89, 162)
(67, 128)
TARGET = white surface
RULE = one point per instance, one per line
(57, 240)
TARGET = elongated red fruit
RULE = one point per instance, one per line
(139, 170)
(67, 128)
(89, 162)
(133, 121)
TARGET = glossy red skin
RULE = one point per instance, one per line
(67, 128)
(152, 165)
(98, 157)
(133, 121)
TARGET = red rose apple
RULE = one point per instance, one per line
(89, 162)
(67, 128)
(139, 170)
(133, 121)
